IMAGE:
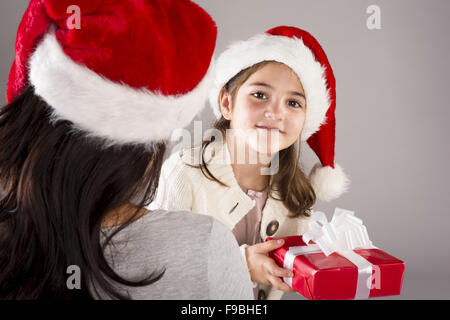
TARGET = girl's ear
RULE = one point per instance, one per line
(225, 104)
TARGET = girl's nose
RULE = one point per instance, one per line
(274, 111)
(268, 114)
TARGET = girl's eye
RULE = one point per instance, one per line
(259, 95)
(295, 104)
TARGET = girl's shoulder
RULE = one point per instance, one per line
(184, 157)
(187, 162)
(181, 163)
(195, 156)
(191, 156)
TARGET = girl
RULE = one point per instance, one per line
(270, 91)
(81, 151)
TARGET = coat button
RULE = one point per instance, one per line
(272, 227)
(261, 295)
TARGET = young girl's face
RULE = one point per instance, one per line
(269, 108)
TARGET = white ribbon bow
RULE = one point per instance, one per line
(342, 235)
(345, 232)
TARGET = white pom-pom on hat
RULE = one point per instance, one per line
(328, 183)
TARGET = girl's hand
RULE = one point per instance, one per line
(263, 269)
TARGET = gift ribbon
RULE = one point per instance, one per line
(342, 235)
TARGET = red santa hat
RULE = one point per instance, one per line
(300, 51)
(131, 73)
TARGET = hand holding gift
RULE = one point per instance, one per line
(263, 268)
(342, 263)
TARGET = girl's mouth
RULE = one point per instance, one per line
(269, 128)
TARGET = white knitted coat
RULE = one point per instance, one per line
(184, 187)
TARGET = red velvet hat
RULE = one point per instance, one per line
(300, 51)
(133, 72)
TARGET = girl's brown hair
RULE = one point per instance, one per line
(293, 188)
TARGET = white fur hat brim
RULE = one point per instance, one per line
(115, 112)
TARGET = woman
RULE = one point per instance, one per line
(82, 147)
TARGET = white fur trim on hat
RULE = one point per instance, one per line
(102, 108)
(328, 183)
(289, 51)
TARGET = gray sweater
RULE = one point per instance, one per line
(201, 257)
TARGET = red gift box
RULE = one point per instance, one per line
(320, 277)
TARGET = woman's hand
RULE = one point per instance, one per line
(263, 269)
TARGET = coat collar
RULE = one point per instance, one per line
(218, 159)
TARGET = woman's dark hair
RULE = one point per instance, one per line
(293, 187)
(56, 187)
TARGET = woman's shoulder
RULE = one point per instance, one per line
(163, 232)
(164, 226)
(182, 217)
(183, 243)
(197, 252)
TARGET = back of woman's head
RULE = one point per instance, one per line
(57, 187)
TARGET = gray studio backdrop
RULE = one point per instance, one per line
(392, 115)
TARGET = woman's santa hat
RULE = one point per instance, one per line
(131, 73)
(300, 51)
